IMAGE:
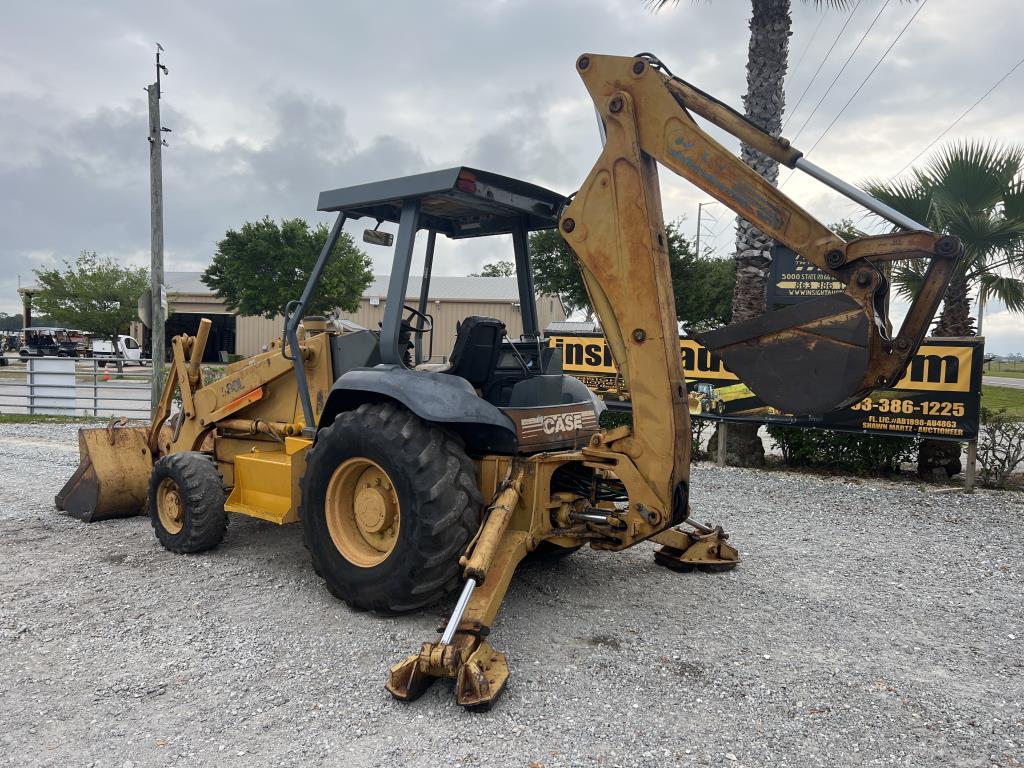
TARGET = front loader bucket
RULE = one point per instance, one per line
(112, 479)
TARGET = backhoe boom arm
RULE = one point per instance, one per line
(809, 358)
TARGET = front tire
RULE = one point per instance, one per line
(388, 505)
(186, 502)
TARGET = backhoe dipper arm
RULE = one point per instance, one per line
(839, 344)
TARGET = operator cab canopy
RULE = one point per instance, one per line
(458, 202)
(489, 388)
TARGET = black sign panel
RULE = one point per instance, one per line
(938, 397)
(794, 279)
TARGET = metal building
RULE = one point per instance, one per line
(451, 299)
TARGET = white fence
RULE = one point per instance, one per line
(75, 387)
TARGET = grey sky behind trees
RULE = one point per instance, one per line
(270, 103)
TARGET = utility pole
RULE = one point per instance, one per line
(156, 218)
(700, 208)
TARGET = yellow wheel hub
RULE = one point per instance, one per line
(362, 512)
(169, 506)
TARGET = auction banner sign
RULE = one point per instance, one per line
(939, 396)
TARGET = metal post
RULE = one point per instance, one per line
(700, 209)
(428, 265)
(972, 465)
(294, 313)
(156, 223)
(527, 295)
(390, 354)
(723, 439)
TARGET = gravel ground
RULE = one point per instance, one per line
(871, 623)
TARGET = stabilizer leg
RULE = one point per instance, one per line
(480, 672)
(704, 548)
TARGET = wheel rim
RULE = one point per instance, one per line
(169, 506)
(362, 511)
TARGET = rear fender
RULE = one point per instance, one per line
(438, 398)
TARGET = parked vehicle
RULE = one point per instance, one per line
(47, 342)
(128, 350)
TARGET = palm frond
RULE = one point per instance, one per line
(908, 279)
(973, 173)
(1013, 199)
(908, 196)
(983, 232)
(1008, 290)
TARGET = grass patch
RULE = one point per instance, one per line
(997, 398)
(1006, 374)
(37, 418)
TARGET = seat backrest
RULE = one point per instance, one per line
(476, 350)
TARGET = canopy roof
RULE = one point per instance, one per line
(457, 202)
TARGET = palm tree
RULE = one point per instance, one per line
(767, 62)
(974, 190)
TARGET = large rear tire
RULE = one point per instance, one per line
(186, 502)
(388, 505)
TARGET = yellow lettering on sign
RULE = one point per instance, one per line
(591, 355)
(935, 367)
(939, 368)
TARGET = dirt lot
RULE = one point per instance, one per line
(871, 623)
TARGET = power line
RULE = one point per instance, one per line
(965, 114)
(842, 69)
(821, 64)
(814, 34)
(868, 77)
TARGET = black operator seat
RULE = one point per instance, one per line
(475, 354)
(476, 350)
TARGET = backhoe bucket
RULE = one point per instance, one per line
(810, 358)
(112, 479)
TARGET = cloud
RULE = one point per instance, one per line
(269, 106)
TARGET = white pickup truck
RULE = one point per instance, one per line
(128, 349)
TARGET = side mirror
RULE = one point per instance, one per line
(376, 237)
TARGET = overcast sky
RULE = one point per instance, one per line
(270, 103)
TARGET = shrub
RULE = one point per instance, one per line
(841, 450)
(1000, 447)
(611, 419)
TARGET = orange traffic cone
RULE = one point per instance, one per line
(106, 375)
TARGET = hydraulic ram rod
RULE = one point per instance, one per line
(858, 195)
(460, 608)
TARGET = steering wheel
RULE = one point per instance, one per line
(414, 313)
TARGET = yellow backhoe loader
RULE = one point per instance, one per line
(414, 480)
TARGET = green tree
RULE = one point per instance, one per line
(702, 285)
(974, 190)
(10, 322)
(556, 272)
(94, 294)
(497, 269)
(262, 266)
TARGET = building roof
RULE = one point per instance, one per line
(441, 287)
(452, 288)
(185, 282)
(572, 326)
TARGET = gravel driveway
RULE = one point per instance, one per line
(871, 623)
